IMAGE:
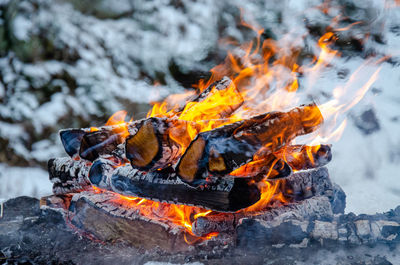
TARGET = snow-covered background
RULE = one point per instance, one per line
(72, 63)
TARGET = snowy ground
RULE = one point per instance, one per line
(18, 181)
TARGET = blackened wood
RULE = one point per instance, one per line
(301, 157)
(222, 150)
(68, 175)
(314, 208)
(309, 183)
(224, 195)
(100, 142)
(313, 185)
(340, 230)
(71, 140)
(41, 236)
(90, 144)
(102, 216)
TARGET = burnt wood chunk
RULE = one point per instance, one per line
(301, 157)
(229, 147)
(311, 195)
(101, 142)
(105, 219)
(71, 140)
(68, 175)
(225, 195)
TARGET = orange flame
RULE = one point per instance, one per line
(180, 215)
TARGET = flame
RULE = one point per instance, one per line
(264, 78)
(180, 215)
(120, 126)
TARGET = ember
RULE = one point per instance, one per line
(229, 151)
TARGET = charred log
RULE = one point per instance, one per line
(222, 150)
(71, 140)
(68, 175)
(109, 222)
(316, 197)
(224, 195)
(90, 144)
(343, 230)
(101, 142)
(34, 235)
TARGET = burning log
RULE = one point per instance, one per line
(101, 142)
(312, 195)
(91, 144)
(222, 150)
(68, 175)
(110, 222)
(301, 157)
(159, 142)
(225, 195)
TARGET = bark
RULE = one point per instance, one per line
(225, 195)
(68, 175)
(316, 197)
(109, 222)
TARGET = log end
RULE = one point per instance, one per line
(71, 140)
(143, 147)
(189, 165)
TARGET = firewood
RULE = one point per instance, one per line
(91, 143)
(68, 175)
(225, 195)
(160, 141)
(102, 216)
(301, 157)
(313, 186)
(101, 142)
(222, 150)
(93, 139)
(71, 140)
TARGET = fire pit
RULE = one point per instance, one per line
(192, 180)
(172, 183)
(221, 166)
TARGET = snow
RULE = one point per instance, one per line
(20, 181)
